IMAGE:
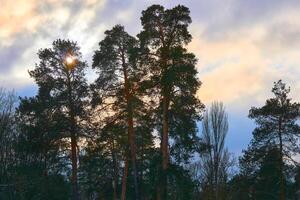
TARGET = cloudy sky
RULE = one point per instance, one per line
(243, 46)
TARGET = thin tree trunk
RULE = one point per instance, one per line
(115, 172)
(216, 185)
(131, 132)
(141, 168)
(74, 166)
(132, 143)
(124, 179)
(282, 182)
(165, 147)
(75, 195)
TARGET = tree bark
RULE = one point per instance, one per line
(141, 168)
(131, 132)
(75, 195)
(165, 147)
(131, 135)
(74, 167)
(115, 180)
(216, 176)
(124, 179)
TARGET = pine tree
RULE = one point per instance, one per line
(117, 87)
(39, 153)
(260, 174)
(101, 162)
(173, 81)
(277, 127)
(60, 74)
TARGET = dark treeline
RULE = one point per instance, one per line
(133, 133)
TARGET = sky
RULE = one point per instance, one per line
(242, 46)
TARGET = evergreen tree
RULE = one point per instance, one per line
(297, 183)
(277, 127)
(60, 76)
(118, 88)
(101, 163)
(40, 159)
(259, 176)
(173, 78)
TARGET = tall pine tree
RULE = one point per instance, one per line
(174, 79)
(118, 87)
(61, 74)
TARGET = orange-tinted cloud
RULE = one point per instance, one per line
(241, 66)
(17, 16)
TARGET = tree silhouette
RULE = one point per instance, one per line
(173, 76)
(60, 75)
(277, 126)
(118, 83)
(215, 162)
(8, 135)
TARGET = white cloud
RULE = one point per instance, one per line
(240, 66)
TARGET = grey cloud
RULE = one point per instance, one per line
(11, 54)
(283, 34)
(280, 38)
(236, 14)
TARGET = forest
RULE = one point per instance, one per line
(139, 130)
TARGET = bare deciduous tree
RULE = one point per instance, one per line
(216, 160)
(7, 135)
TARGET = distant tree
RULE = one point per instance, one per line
(259, 175)
(240, 188)
(216, 161)
(60, 75)
(173, 83)
(297, 183)
(277, 127)
(101, 163)
(8, 136)
(40, 150)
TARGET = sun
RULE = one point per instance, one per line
(70, 61)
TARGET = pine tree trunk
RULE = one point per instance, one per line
(163, 193)
(74, 167)
(124, 179)
(131, 132)
(131, 135)
(115, 181)
(165, 148)
(141, 168)
(75, 195)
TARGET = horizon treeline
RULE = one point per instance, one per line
(139, 131)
